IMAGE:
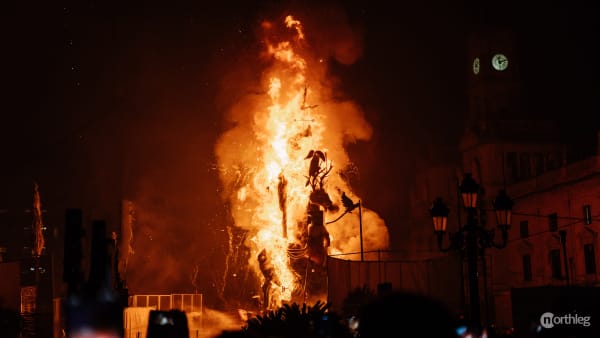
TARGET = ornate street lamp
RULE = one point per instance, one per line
(439, 212)
(503, 209)
(472, 238)
(469, 189)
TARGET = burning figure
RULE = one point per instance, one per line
(309, 251)
(276, 169)
(318, 236)
(271, 281)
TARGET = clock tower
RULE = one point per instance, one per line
(505, 141)
(493, 79)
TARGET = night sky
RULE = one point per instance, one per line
(106, 100)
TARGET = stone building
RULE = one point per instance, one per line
(553, 239)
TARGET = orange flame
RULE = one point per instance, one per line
(38, 224)
(264, 166)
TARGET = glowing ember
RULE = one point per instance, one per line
(282, 166)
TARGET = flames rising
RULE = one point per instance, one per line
(266, 167)
(38, 224)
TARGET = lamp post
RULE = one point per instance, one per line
(472, 238)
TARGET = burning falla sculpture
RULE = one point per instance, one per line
(318, 237)
(308, 252)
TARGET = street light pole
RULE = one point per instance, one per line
(472, 252)
(472, 238)
(362, 255)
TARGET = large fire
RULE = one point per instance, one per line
(284, 169)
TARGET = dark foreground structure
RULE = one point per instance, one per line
(397, 313)
(556, 311)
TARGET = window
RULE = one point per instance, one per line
(587, 214)
(553, 160)
(590, 258)
(524, 166)
(539, 164)
(527, 268)
(524, 229)
(555, 264)
(511, 167)
(553, 222)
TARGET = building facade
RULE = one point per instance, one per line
(553, 238)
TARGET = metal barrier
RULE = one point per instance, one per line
(136, 322)
(187, 302)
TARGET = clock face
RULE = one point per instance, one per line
(476, 65)
(500, 62)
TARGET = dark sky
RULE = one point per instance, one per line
(98, 90)
(103, 66)
(96, 86)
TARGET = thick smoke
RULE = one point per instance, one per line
(173, 247)
(330, 124)
(177, 224)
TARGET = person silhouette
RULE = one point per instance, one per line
(394, 313)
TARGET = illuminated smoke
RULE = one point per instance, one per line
(215, 322)
(127, 224)
(295, 112)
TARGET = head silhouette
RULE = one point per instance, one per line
(395, 313)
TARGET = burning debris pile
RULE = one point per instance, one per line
(283, 167)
